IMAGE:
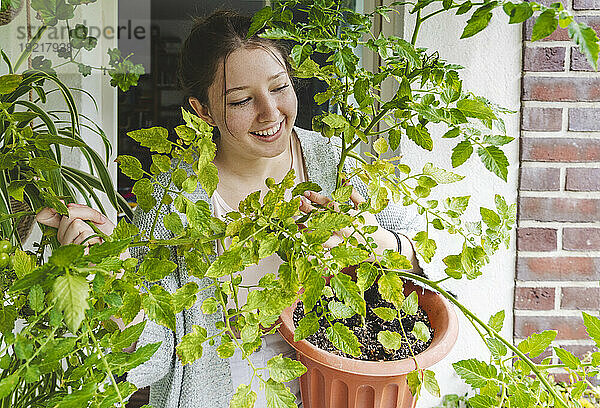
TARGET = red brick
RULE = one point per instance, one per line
(586, 4)
(581, 239)
(558, 269)
(536, 239)
(539, 179)
(561, 89)
(541, 119)
(568, 327)
(579, 62)
(546, 59)
(584, 119)
(559, 209)
(534, 298)
(560, 149)
(580, 298)
(562, 34)
(582, 179)
(579, 350)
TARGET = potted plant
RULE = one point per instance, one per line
(68, 300)
(9, 10)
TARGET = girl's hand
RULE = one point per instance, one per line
(382, 237)
(73, 229)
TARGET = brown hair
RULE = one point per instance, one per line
(211, 40)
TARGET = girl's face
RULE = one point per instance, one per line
(259, 112)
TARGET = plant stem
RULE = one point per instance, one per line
(490, 331)
(105, 363)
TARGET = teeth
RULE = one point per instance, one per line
(270, 131)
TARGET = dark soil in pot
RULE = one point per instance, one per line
(371, 349)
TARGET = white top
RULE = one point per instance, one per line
(252, 274)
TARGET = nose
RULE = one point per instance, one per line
(267, 109)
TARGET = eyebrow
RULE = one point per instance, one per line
(240, 88)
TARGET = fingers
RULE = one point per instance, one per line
(49, 217)
(86, 213)
(356, 198)
(318, 199)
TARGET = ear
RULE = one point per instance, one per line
(202, 111)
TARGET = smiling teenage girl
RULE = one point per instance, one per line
(243, 87)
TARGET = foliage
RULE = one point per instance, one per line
(66, 302)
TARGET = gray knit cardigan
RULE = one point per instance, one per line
(206, 383)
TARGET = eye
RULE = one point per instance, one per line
(240, 103)
(281, 88)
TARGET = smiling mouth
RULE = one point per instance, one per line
(268, 132)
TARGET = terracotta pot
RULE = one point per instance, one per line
(332, 381)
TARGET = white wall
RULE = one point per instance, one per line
(493, 65)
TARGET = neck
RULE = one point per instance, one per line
(235, 166)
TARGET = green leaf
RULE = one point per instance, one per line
(36, 298)
(227, 263)
(461, 153)
(190, 347)
(185, 297)
(474, 372)
(452, 133)
(209, 178)
(121, 362)
(155, 138)
(104, 251)
(65, 255)
(474, 108)
(518, 13)
(329, 221)
(307, 326)
(567, 358)
(490, 218)
(494, 160)
(414, 383)
(497, 321)
(8, 316)
(71, 295)
(268, 245)
(366, 275)
(537, 343)
(496, 347)
(410, 305)
(349, 293)
(386, 313)
(158, 304)
(420, 135)
(424, 245)
(395, 137)
(430, 383)
(587, 40)
(479, 20)
(482, 401)
(173, 223)
(226, 349)
(391, 289)
(421, 331)
(343, 339)
(544, 25)
(9, 83)
(592, 326)
(278, 395)
(342, 194)
(440, 175)
(43, 164)
(283, 369)
(130, 166)
(244, 397)
(154, 269)
(123, 339)
(305, 186)
(390, 340)
(380, 146)
(464, 8)
(143, 189)
(340, 310)
(23, 263)
(347, 256)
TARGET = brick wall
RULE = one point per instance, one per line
(558, 239)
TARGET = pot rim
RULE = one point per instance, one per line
(445, 325)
